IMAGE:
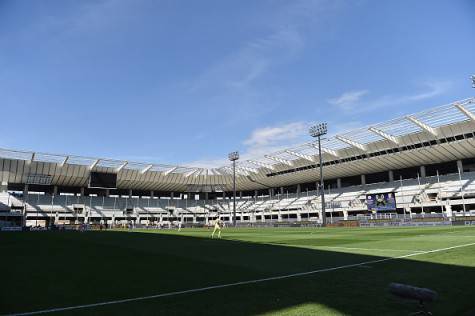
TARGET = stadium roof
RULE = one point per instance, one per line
(355, 152)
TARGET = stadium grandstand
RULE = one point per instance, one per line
(237, 158)
(423, 162)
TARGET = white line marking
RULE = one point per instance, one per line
(142, 298)
(371, 249)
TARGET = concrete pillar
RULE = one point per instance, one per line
(255, 194)
(363, 179)
(55, 190)
(298, 190)
(130, 193)
(152, 194)
(4, 186)
(172, 195)
(25, 190)
(263, 218)
(345, 215)
(391, 176)
(240, 194)
(448, 210)
(338, 183)
(423, 171)
(460, 165)
(107, 192)
(82, 192)
(299, 216)
(271, 192)
(279, 216)
(281, 190)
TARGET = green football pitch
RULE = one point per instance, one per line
(247, 272)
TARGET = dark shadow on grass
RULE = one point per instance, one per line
(55, 269)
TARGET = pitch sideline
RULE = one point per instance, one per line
(371, 249)
(142, 298)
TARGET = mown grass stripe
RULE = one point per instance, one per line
(220, 286)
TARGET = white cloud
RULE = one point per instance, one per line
(353, 102)
(269, 139)
(270, 135)
(434, 89)
(251, 61)
(266, 140)
(348, 98)
(262, 141)
(282, 38)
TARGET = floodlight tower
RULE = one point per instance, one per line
(234, 156)
(317, 131)
(473, 81)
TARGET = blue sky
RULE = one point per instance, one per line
(189, 81)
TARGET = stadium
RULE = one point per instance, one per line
(425, 161)
(237, 158)
(414, 171)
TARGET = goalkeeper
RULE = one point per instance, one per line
(217, 227)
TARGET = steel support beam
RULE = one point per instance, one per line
(352, 143)
(190, 173)
(247, 169)
(284, 161)
(122, 166)
(261, 164)
(146, 169)
(465, 111)
(422, 125)
(94, 164)
(384, 135)
(65, 160)
(166, 173)
(328, 151)
(300, 155)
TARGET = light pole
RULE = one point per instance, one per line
(473, 80)
(317, 131)
(233, 157)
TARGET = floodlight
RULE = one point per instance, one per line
(318, 130)
(233, 156)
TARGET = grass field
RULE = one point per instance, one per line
(45, 270)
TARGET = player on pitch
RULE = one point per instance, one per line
(217, 227)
